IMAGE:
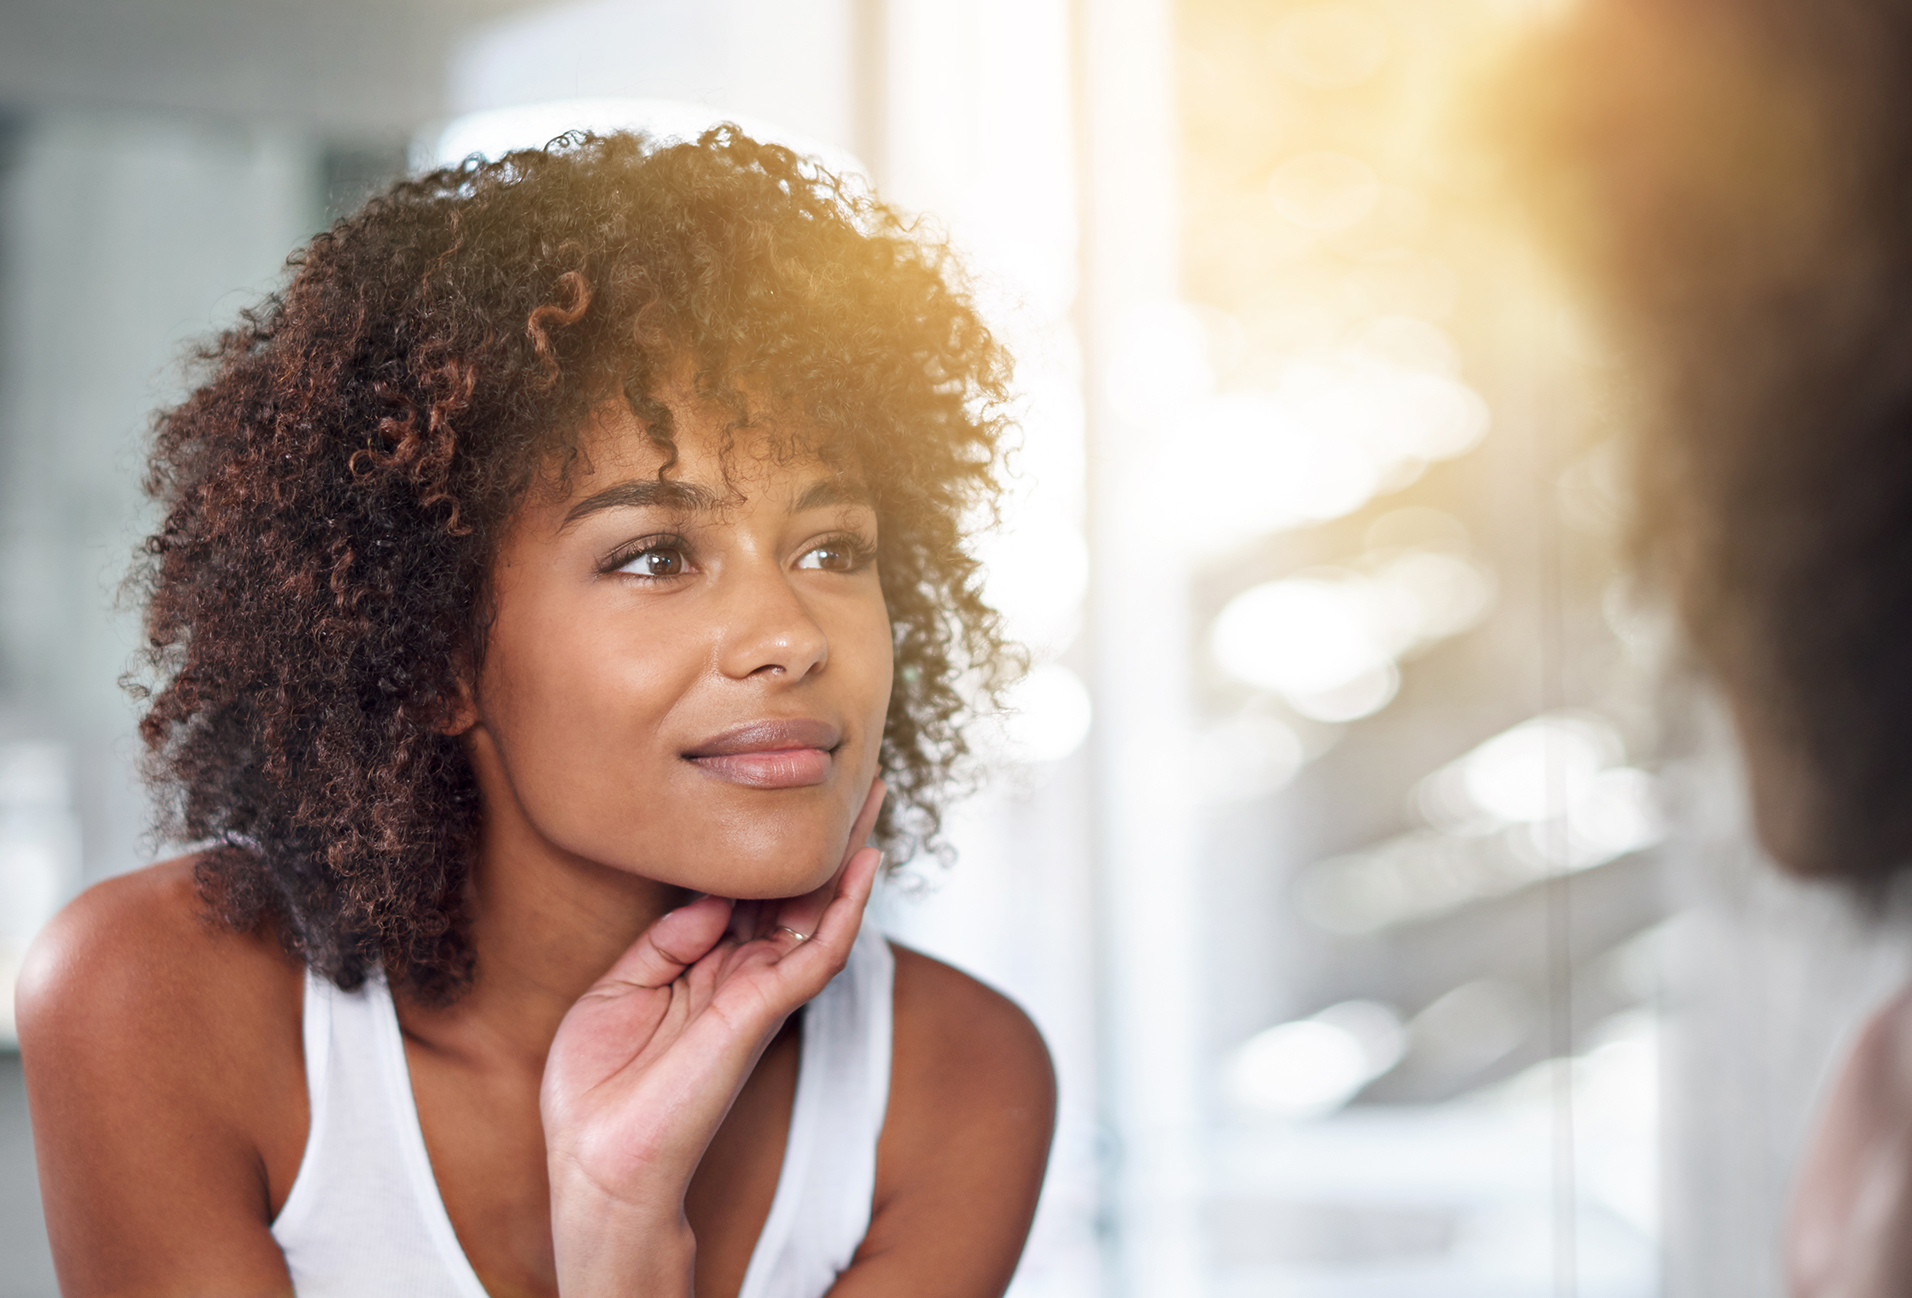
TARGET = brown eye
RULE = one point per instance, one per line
(832, 556)
(659, 561)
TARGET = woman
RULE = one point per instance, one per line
(1729, 178)
(553, 579)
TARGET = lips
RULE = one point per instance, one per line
(788, 754)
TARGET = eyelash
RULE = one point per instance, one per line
(645, 545)
(861, 553)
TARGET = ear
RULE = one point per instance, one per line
(460, 704)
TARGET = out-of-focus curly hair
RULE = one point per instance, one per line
(1732, 179)
(334, 491)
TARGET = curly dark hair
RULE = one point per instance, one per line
(334, 491)
(1732, 180)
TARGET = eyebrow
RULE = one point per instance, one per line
(647, 493)
(691, 498)
(825, 492)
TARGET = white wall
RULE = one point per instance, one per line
(354, 66)
(122, 239)
(790, 61)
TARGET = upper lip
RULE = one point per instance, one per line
(770, 737)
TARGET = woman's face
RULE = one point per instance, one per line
(686, 677)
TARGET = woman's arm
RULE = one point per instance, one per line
(965, 1141)
(163, 1064)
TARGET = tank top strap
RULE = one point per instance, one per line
(824, 1197)
(364, 1215)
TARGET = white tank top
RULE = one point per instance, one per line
(364, 1218)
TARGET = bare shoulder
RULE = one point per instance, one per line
(1891, 1033)
(1850, 1230)
(165, 1073)
(140, 955)
(964, 1042)
(1874, 1087)
(965, 1139)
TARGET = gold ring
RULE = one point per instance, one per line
(785, 928)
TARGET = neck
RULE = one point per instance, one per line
(545, 926)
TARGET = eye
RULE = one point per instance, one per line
(656, 561)
(841, 554)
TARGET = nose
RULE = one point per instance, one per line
(768, 629)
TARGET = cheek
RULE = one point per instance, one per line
(568, 690)
(576, 720)
(874, 668)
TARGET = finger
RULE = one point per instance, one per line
(844, 915)
(865, 823)
(834, 930)
(800, 969)
(678, 939)
(749, 919)
(795, 919)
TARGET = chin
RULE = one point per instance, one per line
(747, 879)
(763, 857)
(772, 866)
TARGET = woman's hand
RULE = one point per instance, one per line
(647, 1063)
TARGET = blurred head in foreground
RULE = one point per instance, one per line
(467, 464)
(1731, 180)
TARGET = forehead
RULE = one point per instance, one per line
(706, 464)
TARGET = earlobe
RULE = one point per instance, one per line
(460, 707)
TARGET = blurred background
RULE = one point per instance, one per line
(1367, 849)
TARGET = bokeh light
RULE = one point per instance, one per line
(1047, 715)
(1323, 191)
(1335, 430)
(1329, 642)
(1313, 1066)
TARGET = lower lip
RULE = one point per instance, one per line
(782, 768)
